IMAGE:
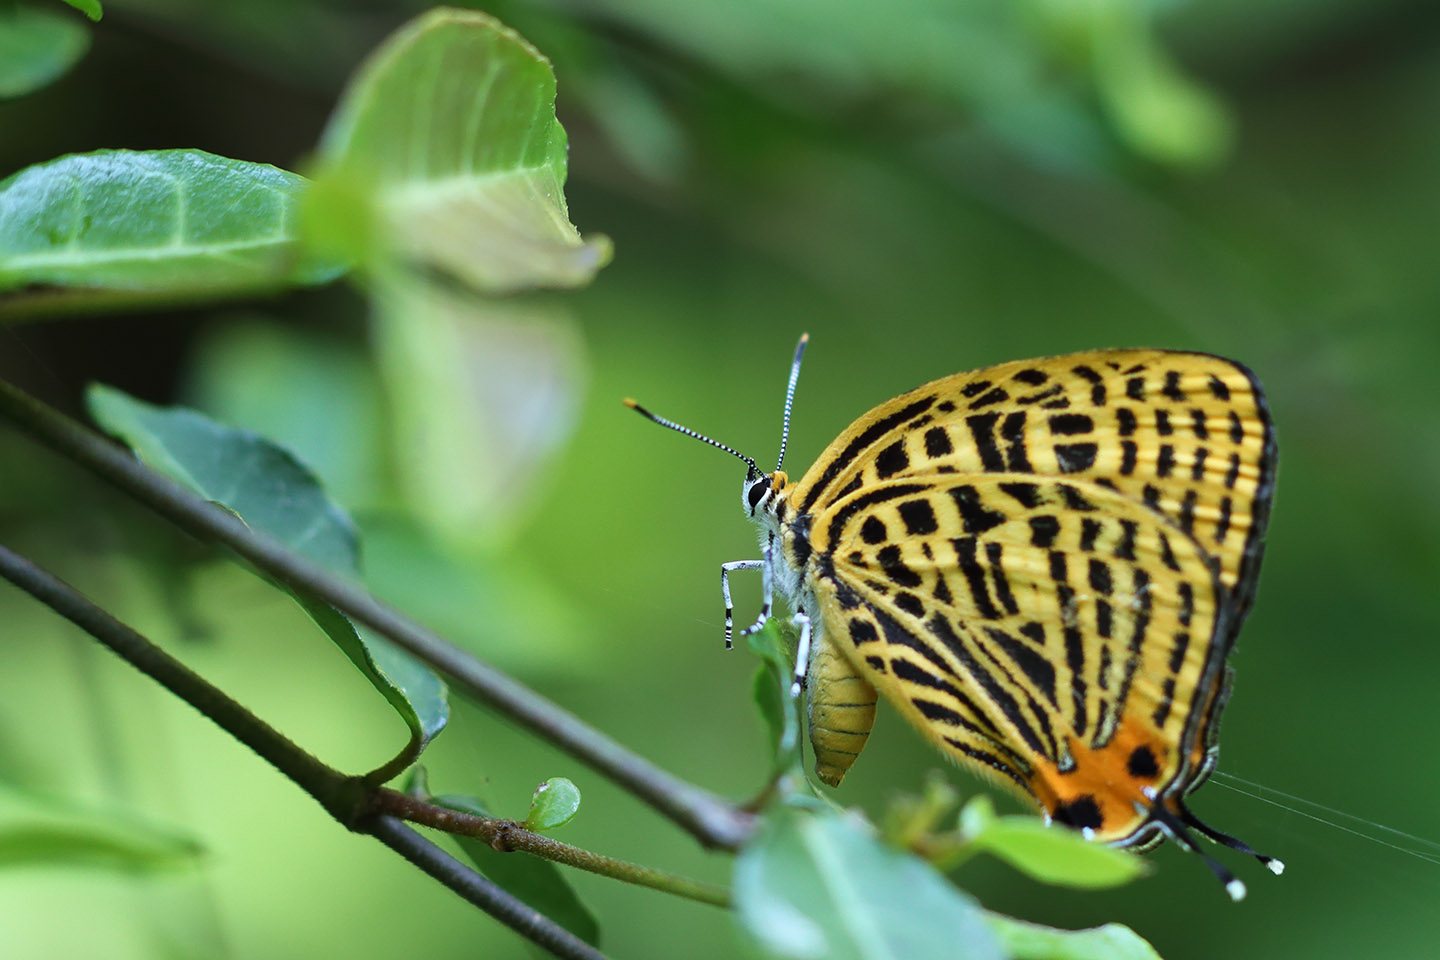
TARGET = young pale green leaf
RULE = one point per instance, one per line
(274, 493)
(822, 885)
(175, 224)
(539, 883)
(771, 689)
(452, 120)
(1031, 941)
(37, 47)
(555, 803)
(482, 390)
(91, 8)
(39, 832)
(1050, 854)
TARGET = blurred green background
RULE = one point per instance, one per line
(925, 186)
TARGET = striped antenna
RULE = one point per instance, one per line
(754, 470)
(790, 397)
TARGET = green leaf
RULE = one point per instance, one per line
(1031, 941)
(452, 123)
(36, 831)
(1050, 854)
(482, 391)
(1157, 109)
(37, 47)
(169, 224)
(555, 803)
(91, 8)
(823, 885)
(539, 883)
(275, 494)
(771, 689)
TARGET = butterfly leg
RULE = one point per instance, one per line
(802, 652)
(767, 593)
(725, 570)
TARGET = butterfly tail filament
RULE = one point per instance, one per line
(1275, 866)
(1177, 832)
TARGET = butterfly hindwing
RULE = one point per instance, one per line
(1054, 632)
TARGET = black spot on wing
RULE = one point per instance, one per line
(1172, 390)
(965, 552)
(859, 444)
(1027, 494)
(1142, 764)
(1040, 670)
(1069, 424)
(1080, 813)
(1075, 457)
(892, 460)
(918, 517)
(973, 513)
(1043, 530)
(1012, 431)
(895, 568)
(884, 494)
(982, 428)
(998, 395)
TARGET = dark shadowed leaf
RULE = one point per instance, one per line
(275, 494)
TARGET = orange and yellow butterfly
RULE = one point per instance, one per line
(1043, 565)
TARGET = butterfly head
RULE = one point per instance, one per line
(762, 491)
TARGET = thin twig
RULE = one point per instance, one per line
(511, 835)
(345, 798)
(483, 893)
(709, 818)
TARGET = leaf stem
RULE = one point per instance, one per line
(345, 798)
(509, 835)
(704, 815)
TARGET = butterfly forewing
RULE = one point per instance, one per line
(1053, 631)
(1186, 434)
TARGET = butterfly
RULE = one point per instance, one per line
(1043, 566)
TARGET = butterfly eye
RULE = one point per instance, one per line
(757, 492)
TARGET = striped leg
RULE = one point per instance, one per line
(767, 594)
(802, 652)
(725, 570)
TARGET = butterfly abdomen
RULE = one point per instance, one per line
(842, 711)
